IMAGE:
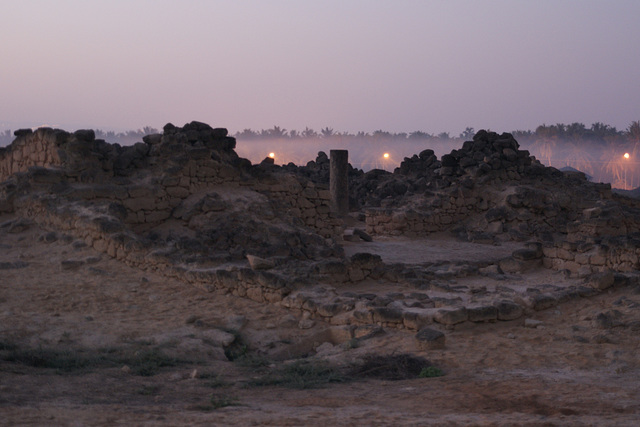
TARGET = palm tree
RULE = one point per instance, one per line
(420, 135)
(467, 134)
(580, 158)
(309, 133)
(633, 138)
(546, 141)
(327, 132)
(247, 134)
(614, 167)
(148, 130)
(275, 132)
(633, 132)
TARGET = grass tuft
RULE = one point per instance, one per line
(394, 367)
(302, 375)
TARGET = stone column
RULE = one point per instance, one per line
(339, 181)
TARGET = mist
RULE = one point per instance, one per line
(602, 152)
(364, 153)
(614, 161)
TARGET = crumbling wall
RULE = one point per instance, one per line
(39, 148)
(304, 200)
(147, 182)
(488, 186)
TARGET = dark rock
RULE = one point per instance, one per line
(70, 264)
(49, 237)
(387, 314)
(87, 135)
(449, 161)
(542, 302)
(608, 319)
(22, 132)
(509, 310)
(485, 313)
(600, 281)
(362, 234)
(117, 210)
(13, 265)
(366, 260)
(526, 254)
(451, 316)
(430, 339)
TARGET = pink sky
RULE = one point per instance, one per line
(353, 65)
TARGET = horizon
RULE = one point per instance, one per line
(351, 65)
(235, 132)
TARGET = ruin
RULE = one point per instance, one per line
(183, 204)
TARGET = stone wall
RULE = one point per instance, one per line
(582, 258)
(39, 148)
(183, 162)
(452, 210)
(304, 200)
(111, 238)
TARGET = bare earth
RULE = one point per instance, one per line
(569, 370)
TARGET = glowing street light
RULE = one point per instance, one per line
(385, 155)
(626, 157)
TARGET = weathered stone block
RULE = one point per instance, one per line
(415, 320)
(509, 310)
(542, 302)
(179, 192)
(451, 316)
(601, 281)
(157, 216)
(430, 339)
(257, 263)
(138, 204)
(387, 315)
(356, 274)
(486, 313)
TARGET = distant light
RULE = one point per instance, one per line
(272, 155)
(626, 155)
(385, 155)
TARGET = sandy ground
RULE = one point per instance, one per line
(569, 370)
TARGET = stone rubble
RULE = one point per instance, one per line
(182, 203)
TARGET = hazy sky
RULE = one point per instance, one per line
(353, 65)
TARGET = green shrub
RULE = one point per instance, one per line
(430, 372)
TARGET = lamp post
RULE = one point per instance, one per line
(626, 167)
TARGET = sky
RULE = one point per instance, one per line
(351, 65)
